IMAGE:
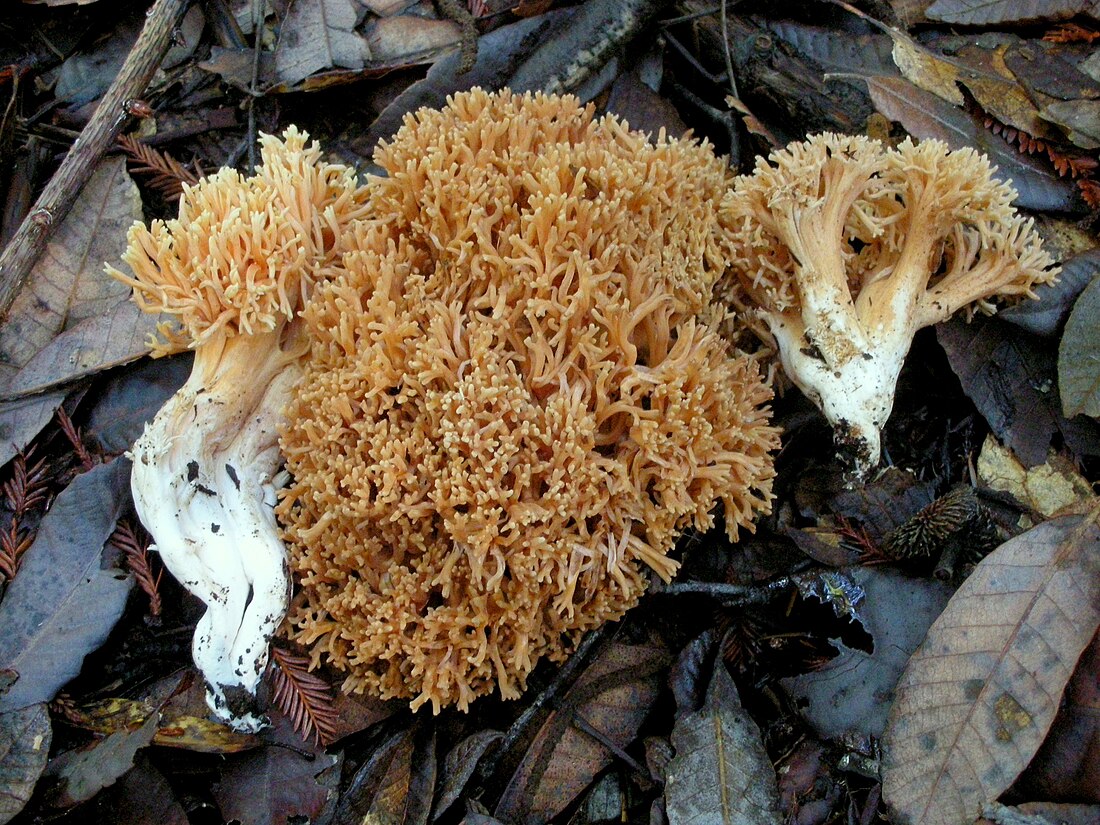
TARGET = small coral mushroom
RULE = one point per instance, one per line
(849, 248)
(234, 268)
(516, 400)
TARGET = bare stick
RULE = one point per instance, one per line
(57, 198)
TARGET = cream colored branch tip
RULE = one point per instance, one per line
(847, 248)
(234, 269)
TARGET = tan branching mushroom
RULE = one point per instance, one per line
(233, 268)
(516, 399)
(848, 248)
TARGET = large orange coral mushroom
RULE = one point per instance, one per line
(516, 399)
(848, 248)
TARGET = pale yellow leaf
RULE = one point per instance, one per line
(1047, 488)
(931, 73)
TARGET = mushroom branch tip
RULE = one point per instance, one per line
(847, 248)
(233, 269)
(517, 398)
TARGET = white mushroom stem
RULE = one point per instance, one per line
(203, 484)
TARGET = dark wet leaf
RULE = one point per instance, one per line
(279, 785)
(497, 54)
(23, 419)
(25, 737)
(396, 784)
(132, 398)
(86, 76)
(604, 708)
(144, 797)
(691, 673)
(825, 545)
(1046, 315)
(852, 692)
(84, 773)
(460, 764)
(1067, 765)
(885, 502)
(987, 12)
(62, 605)
(1010, 376)
(980, 693)
(721, 772)
(645, 110)
(864, 53)
(802, 777)
(355, 712)
(924, 115)
(1079, 356)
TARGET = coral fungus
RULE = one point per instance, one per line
(516, 398)
(233, 268)
(848, 248)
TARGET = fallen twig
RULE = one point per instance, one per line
(99, 135)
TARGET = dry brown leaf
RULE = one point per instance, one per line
(68, 284)
(931, 72)
(721, 772)
(118, 336)
(406, 38)
(980, 693)
(600, 713)
(319, 35)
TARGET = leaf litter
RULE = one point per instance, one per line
(787, 647)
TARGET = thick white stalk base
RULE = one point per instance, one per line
(854, 389)
(204, 486)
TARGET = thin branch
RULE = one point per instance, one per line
(60, 193)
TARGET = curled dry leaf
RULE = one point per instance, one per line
(396, 783)
(316, 36)
(980, 693)
(459, 766)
